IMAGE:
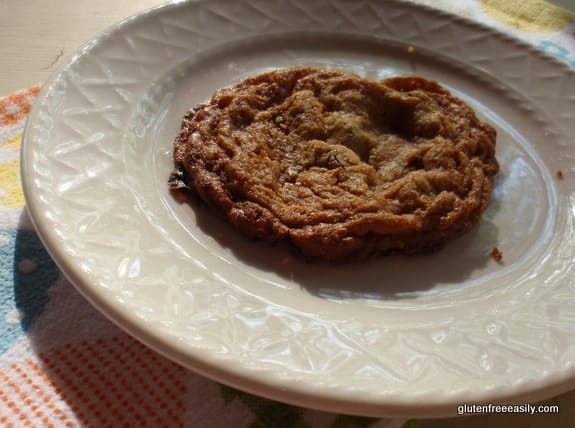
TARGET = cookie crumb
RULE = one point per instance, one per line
(497, 254)
(559, 174)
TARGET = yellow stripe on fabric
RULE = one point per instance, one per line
(13, 142)
(11, 195)
(535, 16)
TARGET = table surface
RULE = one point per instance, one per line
(36, 36)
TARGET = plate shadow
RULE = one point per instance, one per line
(388, 277)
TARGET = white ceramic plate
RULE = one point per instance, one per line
(396, 336)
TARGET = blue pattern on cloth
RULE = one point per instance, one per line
(26, 273)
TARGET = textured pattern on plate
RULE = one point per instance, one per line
(107, 234)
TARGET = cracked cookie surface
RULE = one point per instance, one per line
(339, 166)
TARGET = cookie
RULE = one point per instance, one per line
(338, 166)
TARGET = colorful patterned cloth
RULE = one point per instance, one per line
(63, 364)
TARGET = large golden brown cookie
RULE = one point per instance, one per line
(339, 166)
